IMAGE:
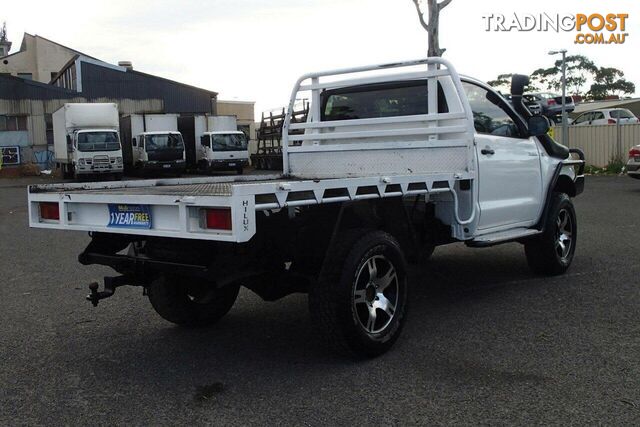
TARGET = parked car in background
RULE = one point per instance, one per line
(633, 165)
(529, 102)
(550, 103)
(606, 116)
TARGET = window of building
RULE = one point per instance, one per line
(13, 123)
(48, 122)
(26, 76)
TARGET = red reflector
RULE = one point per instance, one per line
(49, 210)
(218, 218)
(552, 102)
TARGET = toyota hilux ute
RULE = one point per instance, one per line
(393, 160)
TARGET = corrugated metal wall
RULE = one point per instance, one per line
(601, 143)
(102, 82)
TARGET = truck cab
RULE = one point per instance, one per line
(224, 150)
(95, 151)
(86, 140)
(159, 151)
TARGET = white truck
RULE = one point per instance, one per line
(388, 166)
(223, 146)
(86, 141)
(152, 143)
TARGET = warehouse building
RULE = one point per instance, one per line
(30, 92)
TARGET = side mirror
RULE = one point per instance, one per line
(134, 142)
(204, 141)
(538, 125)
(69, 144)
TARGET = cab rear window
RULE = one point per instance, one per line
(379, 100)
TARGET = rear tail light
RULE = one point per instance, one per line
(217, 218)
(611, 121)
(552, 102)
(50, 211)
(634, 152)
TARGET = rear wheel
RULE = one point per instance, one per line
(551, 253)
(190, 302)
(360, 301)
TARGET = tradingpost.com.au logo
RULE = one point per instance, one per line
(590, 29)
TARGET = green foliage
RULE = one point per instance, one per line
(503, 84)
(610, 81)
(580, 70)
(614, 167)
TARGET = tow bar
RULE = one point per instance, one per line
(110, 285)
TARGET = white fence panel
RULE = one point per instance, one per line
(601, 143)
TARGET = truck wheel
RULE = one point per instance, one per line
(359, 302)
(190, 302)
(551, 253)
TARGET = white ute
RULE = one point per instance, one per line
(388, 166)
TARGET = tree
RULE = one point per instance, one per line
(609, 82)
(580, 69)
(432, 27)
(503, 84)
(3, 32)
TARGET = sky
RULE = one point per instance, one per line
(254, 50)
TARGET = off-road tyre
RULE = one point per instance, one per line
(547, 253)
(332, 299)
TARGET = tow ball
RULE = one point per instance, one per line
(110, 285)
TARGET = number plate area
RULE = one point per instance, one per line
(129, 216)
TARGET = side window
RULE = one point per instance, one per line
(489, 116)
(205, 141)
(597, 115)
(581, 118)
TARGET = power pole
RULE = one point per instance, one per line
(432, 26)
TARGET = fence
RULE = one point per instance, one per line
(601, 143)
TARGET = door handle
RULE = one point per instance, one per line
(487, 151)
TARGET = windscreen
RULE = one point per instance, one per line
(163, 142)
(98, 141)
(229, 142)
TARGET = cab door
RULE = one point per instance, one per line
(509, 175)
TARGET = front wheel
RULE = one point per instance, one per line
(551, 252)
(190, 302)
(360, 301)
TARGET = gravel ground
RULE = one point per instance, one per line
(486, 341)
